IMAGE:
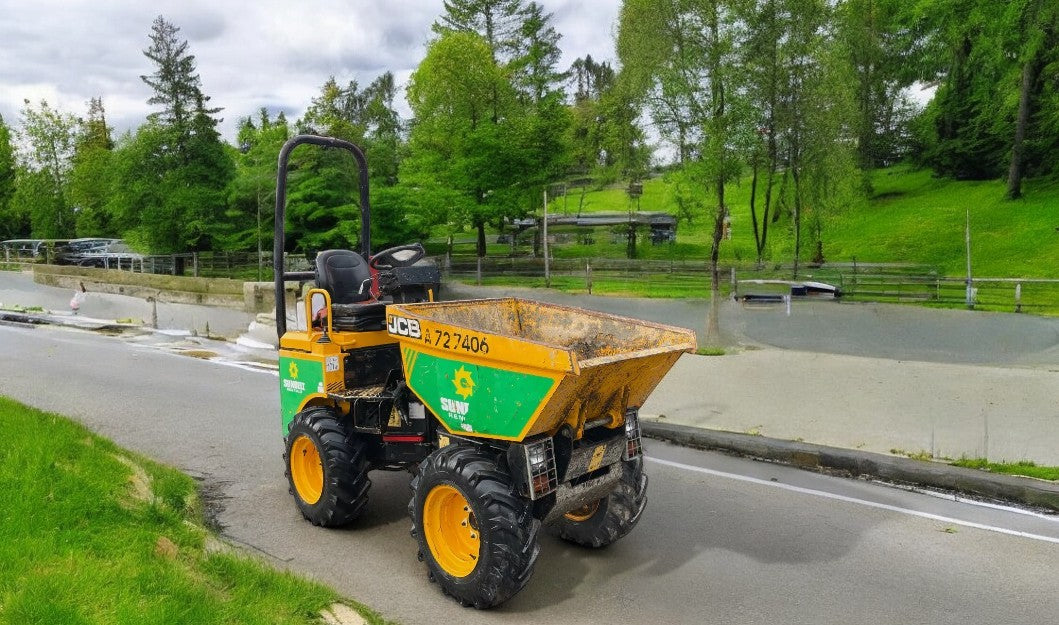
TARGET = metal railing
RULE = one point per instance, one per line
(883, 282)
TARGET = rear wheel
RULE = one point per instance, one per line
(477, 538)
(326, 467)
(609, 519)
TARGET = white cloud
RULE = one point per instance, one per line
(272, 53)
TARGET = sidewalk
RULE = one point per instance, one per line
(857, 413)
(1005, 414)
(862, 415)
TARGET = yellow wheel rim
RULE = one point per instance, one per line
(451, 530)
(583, 513)
(306, 471)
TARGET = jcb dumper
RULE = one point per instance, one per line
(509, 413)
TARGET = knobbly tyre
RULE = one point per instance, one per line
(510, 414)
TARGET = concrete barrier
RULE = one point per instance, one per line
(253, 297)
(173, 289)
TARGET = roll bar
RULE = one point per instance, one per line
(281, 216)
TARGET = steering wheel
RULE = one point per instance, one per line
(400, 256)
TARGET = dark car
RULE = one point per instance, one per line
(73, 252)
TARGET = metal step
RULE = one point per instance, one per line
(360, 392)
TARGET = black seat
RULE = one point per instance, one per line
(343, 274)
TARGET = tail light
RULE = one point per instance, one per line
(540, 463)
(633, 448)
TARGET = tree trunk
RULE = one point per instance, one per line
(481, 238)
(797, 218)
(1017, 148)
(713, 322)
(753, 210)
(717, 97)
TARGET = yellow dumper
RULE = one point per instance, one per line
(509, 413)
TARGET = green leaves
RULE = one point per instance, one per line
(182, 154)
(48, 136)
(11, 225)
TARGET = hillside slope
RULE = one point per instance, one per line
(912, 217)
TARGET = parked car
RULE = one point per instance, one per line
(113, 253)
(42, 250)
(22, 248)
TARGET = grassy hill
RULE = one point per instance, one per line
(911, 218)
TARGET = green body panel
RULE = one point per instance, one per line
(298, 379)
(475, 398)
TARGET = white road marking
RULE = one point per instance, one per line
(854, 500)
(955, 497)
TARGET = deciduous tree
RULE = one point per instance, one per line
(48, 137)
(459, 138)
(12, 225)
(692, 89)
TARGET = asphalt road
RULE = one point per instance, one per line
(724, 540)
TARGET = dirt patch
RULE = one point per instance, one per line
(139, 481)
(211, 494)
(204, 354)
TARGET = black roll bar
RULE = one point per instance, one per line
(281, 216)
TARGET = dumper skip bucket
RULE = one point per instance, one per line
(514, 368)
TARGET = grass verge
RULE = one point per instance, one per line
(710, 351)
(1025, 468)
(91, 533)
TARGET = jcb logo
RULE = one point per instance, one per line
(403, 327)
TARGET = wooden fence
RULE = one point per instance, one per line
(885, 282)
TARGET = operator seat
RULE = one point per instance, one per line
(345, 275)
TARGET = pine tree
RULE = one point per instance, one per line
(496, 21)
(177, 86)
(91, 178)
(194, 163)
(534, 66)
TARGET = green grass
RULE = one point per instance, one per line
(22, 309)
(658, 286)
(710, 351)
(78, 545)
(1024, 467)
(911, 217)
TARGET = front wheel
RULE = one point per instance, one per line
(477, 537)
(326, 467)
(606, 520)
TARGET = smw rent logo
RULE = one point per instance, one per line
(292, 384)
(456, 409)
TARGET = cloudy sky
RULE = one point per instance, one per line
(272, 53)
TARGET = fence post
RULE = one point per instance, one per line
(588, 276)
(735, 286)
(1018, 297)
(478, 272)
(195, 263)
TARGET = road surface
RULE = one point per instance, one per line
(723, 540)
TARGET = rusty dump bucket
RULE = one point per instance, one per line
(512, 368)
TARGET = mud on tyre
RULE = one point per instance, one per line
(477, 538)
(326, 468)
(612, 517)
